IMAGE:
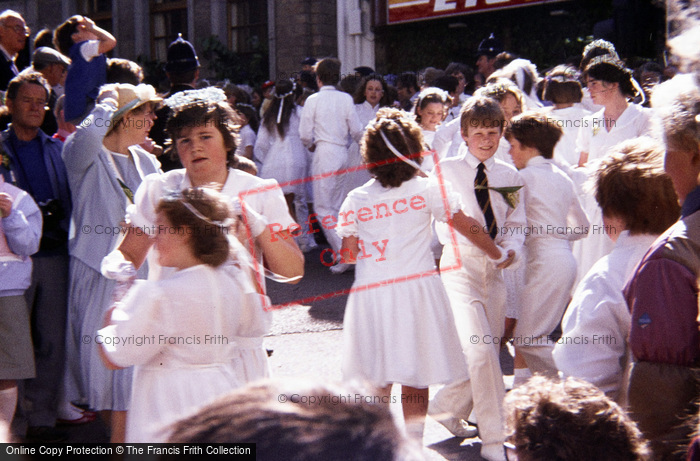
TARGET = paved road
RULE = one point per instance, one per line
(306, 337)
(307, 342)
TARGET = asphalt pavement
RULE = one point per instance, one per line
(306, 339)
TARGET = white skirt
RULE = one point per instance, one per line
(402, 332)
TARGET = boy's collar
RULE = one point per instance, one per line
(473, 161)
(538, 160)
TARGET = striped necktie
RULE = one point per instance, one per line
(482, 196)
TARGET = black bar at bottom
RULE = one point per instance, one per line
(135, 451)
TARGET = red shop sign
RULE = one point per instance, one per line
(416, 10)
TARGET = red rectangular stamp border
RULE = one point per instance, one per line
(259, 270)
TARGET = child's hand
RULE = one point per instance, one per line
(508, 261)
(86, 23)
(5, 205)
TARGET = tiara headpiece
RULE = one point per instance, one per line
(203, 96)
(603, 44)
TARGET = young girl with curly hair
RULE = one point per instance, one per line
(398, 325)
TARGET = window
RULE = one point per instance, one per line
(247, 26)
(168, 19)
(99, 11)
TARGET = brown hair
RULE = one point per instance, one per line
(217, 114)
(208, 239)
(431, 95)
(359, 96)
(631, 184)
(32, 77)
(481, 111)
(277, 416)
(282, 87)
(123, 71)
(406, 137)
(328, 71)
(571, 419)
(562, 86)
(612, 73)
(63, 35)
(533, 129)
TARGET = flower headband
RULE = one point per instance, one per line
(442, 94)
(282, 98)
(564, 76)
(603, 44)
(499, 90)
(288, 93)
(178, 196)
(187, 98)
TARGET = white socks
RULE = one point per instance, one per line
(8, 402)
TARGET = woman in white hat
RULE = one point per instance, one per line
(105, 166)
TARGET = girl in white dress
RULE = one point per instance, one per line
(563, 89)
(181, 328)
(371, 94)
(202, 128)
(610, 84)
(430, 110)
(398, 325)
(279, 153)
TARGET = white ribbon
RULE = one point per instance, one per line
(401, 157)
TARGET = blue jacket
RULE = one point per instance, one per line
(54, 166)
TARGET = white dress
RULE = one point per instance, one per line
(365, 113)
(263, 196)
(178, 333)
(597, 141)
(282, 159)
(398, 325)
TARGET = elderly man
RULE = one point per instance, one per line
(53, 66)
(13, 37)
(664, 381)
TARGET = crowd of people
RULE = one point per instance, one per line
(558, 212)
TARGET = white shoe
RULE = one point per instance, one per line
(340, 268)
(493, 452)
(457, 426)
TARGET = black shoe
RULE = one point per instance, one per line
(45, 434)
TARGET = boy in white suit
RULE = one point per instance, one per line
(474, 282)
